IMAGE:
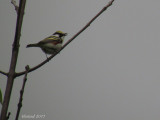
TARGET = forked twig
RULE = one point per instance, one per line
(15, 5)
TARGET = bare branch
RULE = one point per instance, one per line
(70, 40)
(15, 5)
(6, 74)
(15, 51)
(88, 24)
(21, 93)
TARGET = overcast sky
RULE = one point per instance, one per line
(109, 72)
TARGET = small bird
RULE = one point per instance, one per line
(51, 44)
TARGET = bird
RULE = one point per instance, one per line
(51, 44)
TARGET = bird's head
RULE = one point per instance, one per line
(60, 33)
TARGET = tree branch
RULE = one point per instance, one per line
(6, 74)
(21, 93)
(14, 57)
(70, 40)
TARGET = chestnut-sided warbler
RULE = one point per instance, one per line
(51, 44)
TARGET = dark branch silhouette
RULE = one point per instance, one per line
(15, 51)
(21, 93)
(6, 74)
(70, 40)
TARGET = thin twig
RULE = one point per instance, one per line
(8, 116)
(15, 5)
(88, 24)
(4, 73)
(21, 93)
(70, 40)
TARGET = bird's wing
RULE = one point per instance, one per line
(51, 39)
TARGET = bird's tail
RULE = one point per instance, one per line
(32, 45)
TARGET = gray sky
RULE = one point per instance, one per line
(110, 72)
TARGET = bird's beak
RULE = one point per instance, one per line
(54, 33)
(65, 34)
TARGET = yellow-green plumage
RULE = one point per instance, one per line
(51, 44)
